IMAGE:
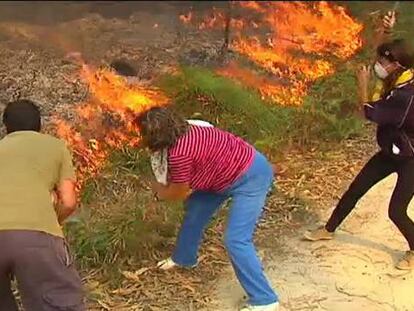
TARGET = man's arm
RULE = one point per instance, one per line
(67, 199)
(66, 188)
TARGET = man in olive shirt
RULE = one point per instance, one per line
(37, 193)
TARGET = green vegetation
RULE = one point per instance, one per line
(201, 93)
(327, 113)
(117, 224)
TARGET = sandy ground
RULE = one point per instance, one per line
(353, 272)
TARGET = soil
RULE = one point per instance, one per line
(355, 271)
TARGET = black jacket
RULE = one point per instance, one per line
(394, 114)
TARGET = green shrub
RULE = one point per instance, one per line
(326, 114)
(231, 105)
(114, 225)
(117, 221)
(331, 109)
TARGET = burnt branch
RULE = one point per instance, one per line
(227, 28)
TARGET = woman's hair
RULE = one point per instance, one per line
(161, 128)
(396, 51)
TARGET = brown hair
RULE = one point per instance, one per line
(160, 127)
(396, 51)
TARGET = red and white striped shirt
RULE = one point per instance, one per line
(209, 159)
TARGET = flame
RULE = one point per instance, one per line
(186, 18)
(215, 18)
(302, 40)
(105, 121)
(277, 89)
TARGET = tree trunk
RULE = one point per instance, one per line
(227, 29)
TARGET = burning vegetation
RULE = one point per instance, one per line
(291, 44)
(104, 122)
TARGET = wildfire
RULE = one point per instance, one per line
(301, 40)
(291, 43)
(277, 89)
(105, 121)
(186, 18)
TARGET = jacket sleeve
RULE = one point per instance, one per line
(391, 110)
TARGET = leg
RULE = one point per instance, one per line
(201, 207)
(400, 199)
(377, 168)
(7, 301)
(46, 277)
(248, 202)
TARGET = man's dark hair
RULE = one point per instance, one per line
(123, 68)
(22, 115)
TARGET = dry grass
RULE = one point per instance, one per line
(124, 237)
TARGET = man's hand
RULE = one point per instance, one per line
(363, 77)
(66, 198)
(62, 212)
(54, 197)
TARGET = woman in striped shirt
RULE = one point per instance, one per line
(207, 166)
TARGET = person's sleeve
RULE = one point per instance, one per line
(67, 170)
(179, 169)
(392, 110)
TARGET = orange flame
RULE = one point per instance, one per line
(277, 89)
(186, 18)
(105, 121)
(302, 39)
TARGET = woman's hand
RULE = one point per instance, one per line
(156, 187)
(363, 77)
(384, 28)
(171, 192)
(389, 20)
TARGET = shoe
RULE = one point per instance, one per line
(407, 262)
(319, 234)
(168, 264)
(270, 307)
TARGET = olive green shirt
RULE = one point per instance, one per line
(31, 165)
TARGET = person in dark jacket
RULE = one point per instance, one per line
(392, 109)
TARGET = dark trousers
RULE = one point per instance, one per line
(43, 269)
(377, 168)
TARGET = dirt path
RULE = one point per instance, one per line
(354, 272)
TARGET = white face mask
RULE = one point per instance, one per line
(380, 71)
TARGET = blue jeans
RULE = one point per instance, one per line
(248, 196)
